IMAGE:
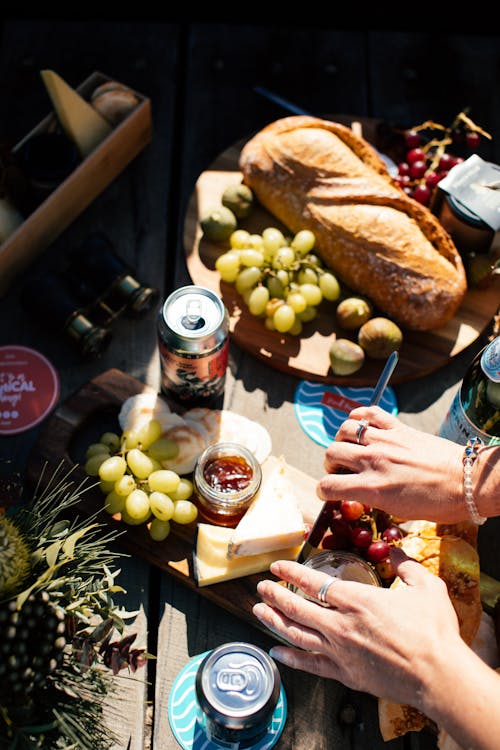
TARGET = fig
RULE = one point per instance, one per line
(218, 223)
(346, 357)
(352, 312)
(379, 337)
(239, 199)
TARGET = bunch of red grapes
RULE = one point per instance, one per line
(432, 150)
(366, 531)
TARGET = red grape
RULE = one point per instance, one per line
(351, 510)
(472, 139)
(446, 162)
(403, 168)
(417, 169)
(432, 179)
(416, 154)
(422, 194)
(385, 570)
(412, 139)
(392, 534)
(361, 536)
(378, 550)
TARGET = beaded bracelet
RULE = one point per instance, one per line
(470, 454)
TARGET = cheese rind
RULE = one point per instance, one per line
(80, 121)
(273, 521)
(211, 564)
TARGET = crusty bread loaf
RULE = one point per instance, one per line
(316, 174)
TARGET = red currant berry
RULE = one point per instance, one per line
(473, 139)
(361, 537)
(422, 194)
(416, 154)
(412, 139)
(417, 169)
(351, 510)
(392, 534)
(378, 550)
(458, 135)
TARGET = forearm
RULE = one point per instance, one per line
(462, 695)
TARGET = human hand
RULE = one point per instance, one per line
(396, 468)
(388, 642)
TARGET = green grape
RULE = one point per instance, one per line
(106, 487)
(275, 287)
(139, 463)
(273, 305)
(309, 314)
(255, 241)
(269, 324)
(96, 449)
(284, 318)
(258, 299)
(149, 433)
(163, 449)
(297, 327)
(284, 277)
(159, 530)
(111, 440)
(312, 294)
(303, 242)
(228, 266)
(250, 257)
(114, 503)
(330, 287)
(125, 485)
(184, 512)
(112, 469)
(284, 257)
(164, 480)
(273, 239)
(94, 462)
(307, 276)
(239, 239)
(137, 506)
(314, 260)
(184, 490)
(247, 278)
(296, 301)
(130, 439)
(162, 506)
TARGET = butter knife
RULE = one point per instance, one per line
(322, 521)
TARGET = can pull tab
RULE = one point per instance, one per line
(192, 320)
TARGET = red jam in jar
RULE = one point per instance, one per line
(227, 477)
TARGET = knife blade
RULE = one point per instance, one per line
(323, 519)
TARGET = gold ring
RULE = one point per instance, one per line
(324, 588)
(363, 424)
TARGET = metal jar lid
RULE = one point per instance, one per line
(238, 687)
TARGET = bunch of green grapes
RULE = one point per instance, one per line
(280, 279)
(134, 482)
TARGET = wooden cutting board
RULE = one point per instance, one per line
(81, 420)
(307, 356)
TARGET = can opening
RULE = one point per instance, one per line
(192, 320)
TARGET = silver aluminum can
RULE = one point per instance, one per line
(193, 335)
(237, 687)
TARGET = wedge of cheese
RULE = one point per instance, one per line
(80, 121)
(211, 564)
(273, 521)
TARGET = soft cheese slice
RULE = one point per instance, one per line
(211, 564)
(81, 122)
(273, 521)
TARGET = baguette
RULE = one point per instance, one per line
(315, 174)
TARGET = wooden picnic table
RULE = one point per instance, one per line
(201, 78)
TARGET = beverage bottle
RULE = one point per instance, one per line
(475, 410)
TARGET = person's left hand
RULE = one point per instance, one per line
(382, 641)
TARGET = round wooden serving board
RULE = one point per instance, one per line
(307, 356)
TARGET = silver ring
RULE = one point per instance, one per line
(363, 424)
(324, 588)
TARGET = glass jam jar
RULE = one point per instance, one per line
(227, 476)
(340, 564)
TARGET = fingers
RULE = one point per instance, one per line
(317, 664)
(410, 571)
(286, 628)
(376, 416)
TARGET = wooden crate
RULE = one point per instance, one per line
(77, 191)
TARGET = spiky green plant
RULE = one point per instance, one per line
(54, 658)
(15, 565)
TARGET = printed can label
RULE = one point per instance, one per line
(193, 377)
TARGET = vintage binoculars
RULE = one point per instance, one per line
(96, 287)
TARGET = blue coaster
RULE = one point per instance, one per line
(321, 409)
(186, 717)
